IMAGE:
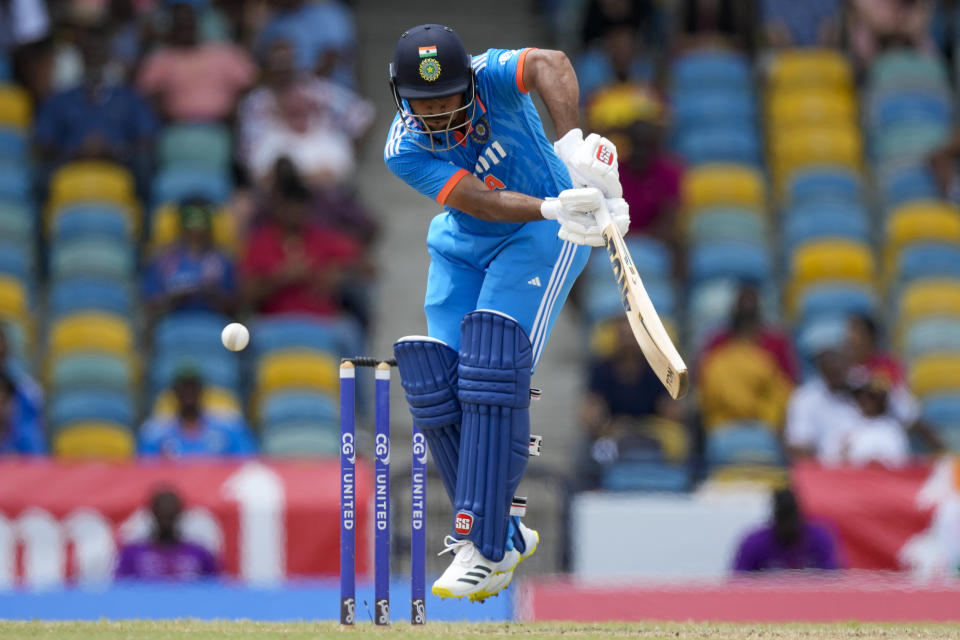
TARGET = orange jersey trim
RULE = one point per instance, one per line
(451, 183)
(520, 63)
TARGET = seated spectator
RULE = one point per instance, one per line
(789, 542)
(193, 431)
(102, 118)
(617, 58)
(874, 26)
(870, 435)
(291, 263)
(711, 24)
(29, 394)
(601, 15)
(20, 430)
(812, 23)
(166, 556)
(635, 120)
(313, 121)
(748, 370)
(191, 275)
(193, 80)
(322, 33)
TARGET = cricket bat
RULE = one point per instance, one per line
(648, 330)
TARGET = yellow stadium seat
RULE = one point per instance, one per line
(920, 221)
(93, 180)
(13, 298)
(935, 374)
(810, 67)
(215, 399)
(15, 108)
(929, 297)
(723, 184)
(166, 228)
(806, 107)
(761, 475)
(94, 440)
(298, 368)
(832, 260)
(805, 146)
(91, 331)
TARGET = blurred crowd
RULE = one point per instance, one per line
(169, 165)
(791, 170)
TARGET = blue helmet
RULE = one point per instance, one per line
(430, 61)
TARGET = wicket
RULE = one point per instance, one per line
(381, 517)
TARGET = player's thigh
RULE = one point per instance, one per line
(531, 278)
(452, 291)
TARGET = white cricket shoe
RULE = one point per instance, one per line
(470, 572)
(501, 581)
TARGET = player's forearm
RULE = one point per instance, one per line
(497, 205)
(552, 76)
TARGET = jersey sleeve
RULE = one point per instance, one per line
(500, 71)
(430, 176)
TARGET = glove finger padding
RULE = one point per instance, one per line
(581, 200)
(591, 239)
(620, 213)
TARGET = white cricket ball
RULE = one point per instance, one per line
(235, 336)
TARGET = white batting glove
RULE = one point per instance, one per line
(574, 210)
(592, 162)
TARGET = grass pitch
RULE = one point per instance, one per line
(200, 630)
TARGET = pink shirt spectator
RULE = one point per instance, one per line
(651, 191)
(197, 83)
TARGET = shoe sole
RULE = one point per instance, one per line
(480, 596)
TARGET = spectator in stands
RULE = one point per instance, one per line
(191, 275)
(192, 431)
(166, 556)
(748, 370)
(323, 35)
(627, 412)
(313, 121)
(291, 263)
(789, 542)
(102, 118)
(29, 394)
(634, 118)
(872, 434)
(25, 29)
(602, 15)
(619, 57)
(812, 23)
(20, 429)
(710, 24)
(874, 26)
(193, 80)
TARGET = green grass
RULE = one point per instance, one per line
(199, 630)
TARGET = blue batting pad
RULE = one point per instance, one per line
(494, 378)
(428, 373)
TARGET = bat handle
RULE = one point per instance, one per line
(602, 216)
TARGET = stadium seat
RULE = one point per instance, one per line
(88, 181)
(908, 70)
(217, 366)
(646, 476)
(297, 406)
(815, 68)
(175, 184)
(15, 109)
(189, 333)
(166, 229)
(602, 299)
(823, 220)
(92, 257)
(300, 439)
(651, 257)
(835, 299)
(75, 294)
(723, 185)
(16, 222)
(927, 260)
(93, 371)
(742, 444)
(712, 68)
(203, 146)
(736, 260)
(13, 145)
(803, 107)
(285, 332)
(92, 219)
(825, 260)
(935, 374)
(897, 107)
(921, 221)
(771, 477)
(933, 334)
(96, 440)
(721, 143)
(942, 410)
(15, 183)
(16, 260)
(903, 184)
(91, 331)
(297, 369)
(810, 146)
(82, 405)
(214, 399)
(909, 142)
(13, 298)
(6, 72)
(711, 107)
(930, 297)
(823, 184)
(726, 225)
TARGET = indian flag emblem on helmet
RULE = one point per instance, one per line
(429, 51)
(429, 69)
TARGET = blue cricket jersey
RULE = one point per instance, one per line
(505, 147)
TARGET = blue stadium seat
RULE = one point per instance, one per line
(175, 184)
(15, 183)
(81, 370)
(713, 107)
(189, 332)
(16, 259)
(298, 406)
(6, 71)
(16, 222)
(646, 476)
(911, 182)
(93, 219)
(13, 146)
(737, 260)
(728, 224)
(602, 299)
(650, 256)
(928, 260)
(821, 184)
(835, 299)
(942, 409)
(275, 333)
(820, 220)
(218, 367)
(909, 142)
(898, 107)
(93, 256)
(201, 145)
(711, 69)
(719, 144)
(932, 334)
(87, 404)
(743, 443)
(300, 439)
(908, 70)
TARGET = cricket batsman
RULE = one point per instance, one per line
(511, 240)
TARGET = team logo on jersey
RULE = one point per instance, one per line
(429, 69)
(481, 131)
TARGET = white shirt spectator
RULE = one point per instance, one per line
(815, 412)
(864, 440)
(22, 22)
